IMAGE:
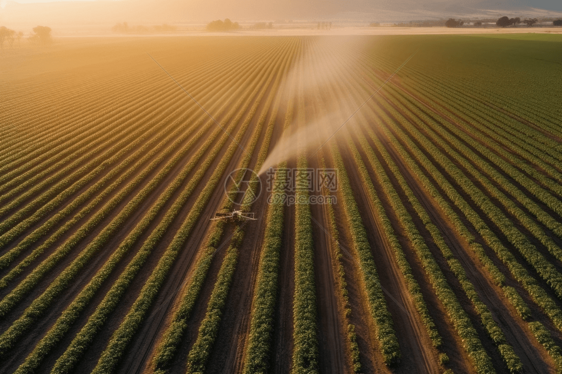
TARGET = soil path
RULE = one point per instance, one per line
(532, 355)
(417, 353)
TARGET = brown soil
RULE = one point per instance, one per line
(514, 328)
(227, 354)
(511, 324)
(331, 334)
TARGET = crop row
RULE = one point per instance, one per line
(51, 128)
(477, 107)
(454, 92)
(42, 302)
(532, 187)
(513, 136)
(337, 255)
(521, 108)
(120, 106)
(518, 272)
(405, 268)
(390, 235)
(511, 359)
(515, 211)
(544, 268)
(95, 323)
(59, 155)
(19, 228)
(202, 82)
(305, 324)
(368, 273)
(473, 114)
(46, 226)
(52, 191)
(99, 95)
(123, 335)
(443, 291)
(258, 350)
(460, 319)
(349, 328)
(495, 333)
(199, 354)
(486, 136)
(72, 312)
(104, 212)
(209, 328)
(371, 286)
(519, 304)
(534, 108)
(172, 336)
(305, 330)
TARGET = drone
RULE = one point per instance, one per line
(234, 216)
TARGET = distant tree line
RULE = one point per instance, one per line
(501, 22)
(7, 35)
(432, 23)
(226, 25)
(506, 21)
(324, 25)
(41, 35)
(530, 22)
(124, 28)
(454, 23)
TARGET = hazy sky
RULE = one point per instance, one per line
(45, 1)
(546, 4)
(23, 14)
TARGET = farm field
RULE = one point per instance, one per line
(441, 252)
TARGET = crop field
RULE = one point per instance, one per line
(438, 249)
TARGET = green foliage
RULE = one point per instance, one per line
(123, 335)
(199, 354)
(342, 284)
(208, 330)
(413, 286)
(510, 358)
(445, 294)
(226, 25)
(518, 272)
(41, 35)
(543, 337)
(368, 272)
(96, 322)
(258, 351)
(119, 152)
(305, 351)
(64, 323)
(487, 153)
